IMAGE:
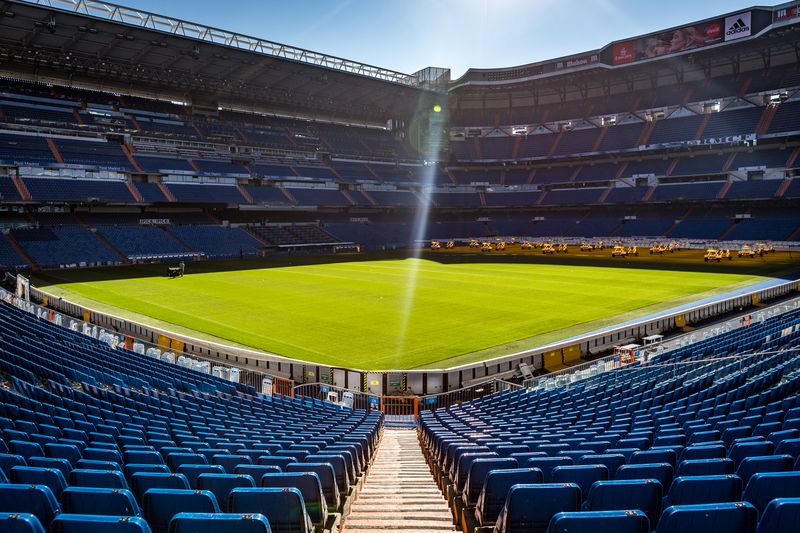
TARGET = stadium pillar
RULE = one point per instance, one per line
(424, 383)
(385, 384)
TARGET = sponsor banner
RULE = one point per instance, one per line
(669, 42)
(624, 53)
(787, 13)
(579, 61)
(738, 26)
(154, 222)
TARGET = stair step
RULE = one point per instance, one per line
(399, 492)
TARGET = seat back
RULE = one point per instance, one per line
(141, 482)
(659, 471)
(20, 523)
(32, 475)
(221, 486)
(781, 515)
(653, 456)
(495, 489)
(192, 472)
(219, 523)
(612, 461)
(326, 478)
(284, 507)
(695, 490)
(477, 475)
(582, 475)
(309, 486)
(600, 522)
(106, 479)
(769, 463)
(529, 508)
(548, 464)
(37, 500)
(737, 517)
(705, 467)
(641, 494)
(96, 501)
(280, 462)
(713, 451)
(161, 505)
(763, 488)
(81, 523)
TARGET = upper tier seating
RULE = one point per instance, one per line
(77, 190)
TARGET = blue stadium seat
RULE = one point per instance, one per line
(582, 475)
(62, 465)
(37, 500)
(77, 523)
(326, 478)
(130, 469)
(705, 467)
(737, 517)
(280, 462)
(219, 523)
(529, 508)
(106, 479)
(229, 461)
(654, 456)
(495, 489)
(192, 472)
(310, 488)
(694, 453)
(63, 451)
(161, 505)
(612, 461)
(221, 485)
(662, 472)
(50, 477)
(478, 471)
(548, 464)
(283, 507)
(644, 495)
(94, 501)
(781, 515)
(703, 489)
(9, 461)
(741, 450)
(757, 465)
(256, 471)
(763, 488)
(20, 523)
(176, 460)
(600, 522)
(141, 482)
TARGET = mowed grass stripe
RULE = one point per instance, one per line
(353, 313)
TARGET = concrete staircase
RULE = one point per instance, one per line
(399, 492)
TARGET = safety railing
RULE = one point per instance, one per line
(338, 395)
(473, 392)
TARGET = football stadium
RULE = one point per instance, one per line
(252, 287)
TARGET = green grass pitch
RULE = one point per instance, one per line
(390, 313)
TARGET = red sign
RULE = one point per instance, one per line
(669, 42)
(624, 53)
(787, 13)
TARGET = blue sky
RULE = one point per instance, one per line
(408, 35)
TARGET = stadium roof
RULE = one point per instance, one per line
(87, 40)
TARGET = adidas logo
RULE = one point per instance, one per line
(737, 27)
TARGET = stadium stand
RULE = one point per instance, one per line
(668, 414)
(140, 421)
